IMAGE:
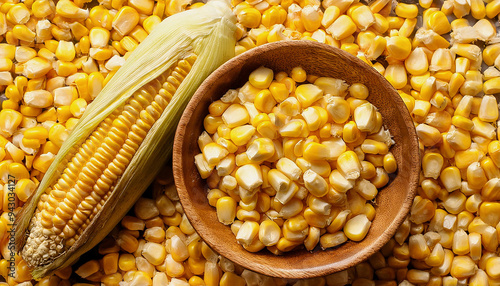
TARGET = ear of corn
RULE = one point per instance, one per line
(122, 139)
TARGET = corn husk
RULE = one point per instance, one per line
(207, 32)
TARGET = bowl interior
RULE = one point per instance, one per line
(392, 202)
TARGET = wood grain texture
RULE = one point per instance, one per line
(392, 203)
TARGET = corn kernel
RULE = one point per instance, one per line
(342, 27)
(357, 227)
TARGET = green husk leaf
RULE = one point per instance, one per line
(208, 32)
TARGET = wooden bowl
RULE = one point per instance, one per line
(392, 203)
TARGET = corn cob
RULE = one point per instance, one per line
(122, 139)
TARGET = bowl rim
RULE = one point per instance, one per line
(282, 272)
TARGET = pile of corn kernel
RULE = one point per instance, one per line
(269, 147)
(55, 56)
